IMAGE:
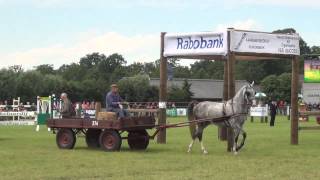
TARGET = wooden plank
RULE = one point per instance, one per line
(294, 101)
(98, 108)
(309, 128)
(161, 138)
(309, 113)
(143, 110)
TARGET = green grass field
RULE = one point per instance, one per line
(26, 154)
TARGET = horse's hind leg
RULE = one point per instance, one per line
(199, 134)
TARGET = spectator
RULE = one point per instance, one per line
(67, 109)
(273, 112)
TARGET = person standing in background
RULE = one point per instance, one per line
(273, 112)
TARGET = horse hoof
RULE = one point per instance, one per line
(235, 153)
(205, 152)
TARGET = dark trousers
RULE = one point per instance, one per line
(120, 112)
(273, 117)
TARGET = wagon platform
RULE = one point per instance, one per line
(104, 134)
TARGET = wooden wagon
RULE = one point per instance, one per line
(106, 134)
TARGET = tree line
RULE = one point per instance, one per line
(91, 77)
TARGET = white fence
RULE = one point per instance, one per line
(18, 117)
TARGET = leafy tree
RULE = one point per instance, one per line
(315, 50)
(91, 60)
(29, 85)
(207, 69)
(137, 88)
(177, 94)
(8, 84)
(45, 69)
(269, 85)
(284, 88)
(72, 72)
(277, 87)
(181, 72)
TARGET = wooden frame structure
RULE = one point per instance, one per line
(229, 82)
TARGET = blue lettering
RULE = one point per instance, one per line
(210, 42)
(215, 43)
(220, 41)
(203, 43)
(190, 43)
(185, 46)
(180, 41)
(196, 42)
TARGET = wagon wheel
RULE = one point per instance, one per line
(92, 138)
(65, 138)
(138, 140)
(110, 140)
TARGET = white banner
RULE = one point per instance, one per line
(259, 111)
(20, 122)
(21, 113)
(162, 105)
(189, 44)
(311, 93)
(181, 111)
(255, 42)
(91, 113)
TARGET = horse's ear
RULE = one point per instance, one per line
(252, 84)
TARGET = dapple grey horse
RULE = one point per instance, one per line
(235, 110)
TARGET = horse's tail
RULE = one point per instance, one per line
(191, 117)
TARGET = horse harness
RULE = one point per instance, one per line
(226, 121)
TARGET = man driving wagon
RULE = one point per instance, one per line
(113, 102)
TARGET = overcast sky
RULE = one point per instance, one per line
(34, 32)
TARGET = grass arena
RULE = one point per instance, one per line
(26, 154)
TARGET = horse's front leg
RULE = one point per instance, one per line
(236, 132)
(244, 135)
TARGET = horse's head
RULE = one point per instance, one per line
(249, 93)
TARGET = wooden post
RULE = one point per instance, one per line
(161, 138)
(98, 108)
(231, 85)
(231, 93)
(294, 100)
(223, 131)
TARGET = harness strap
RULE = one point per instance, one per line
(226, 123)
(224, 108)
(232, 106)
